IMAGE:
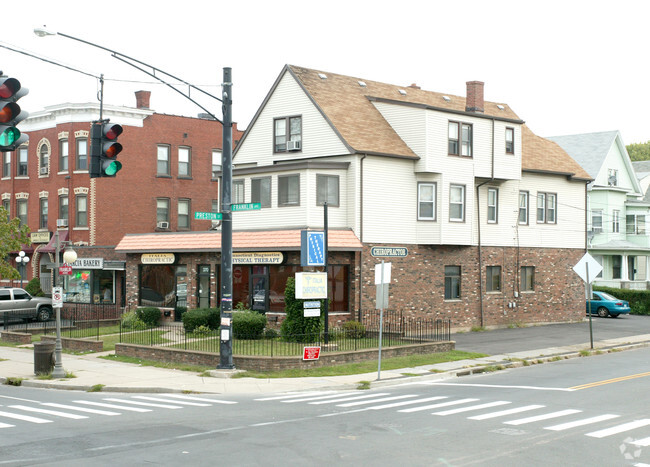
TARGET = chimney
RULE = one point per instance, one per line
(474, 101)
(414, 86)
(142, 99)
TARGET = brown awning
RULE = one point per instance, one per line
(51, 246)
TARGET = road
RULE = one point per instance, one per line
(571, 412)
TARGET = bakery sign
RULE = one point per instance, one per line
(157, 258)
(88, 263)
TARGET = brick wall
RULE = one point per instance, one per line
(16, 337)
(77, 344)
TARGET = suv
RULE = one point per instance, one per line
(17, 303)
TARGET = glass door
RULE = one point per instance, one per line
(260, 288)
(204, 286)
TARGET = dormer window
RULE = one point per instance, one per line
(287, 134)
(612, 177)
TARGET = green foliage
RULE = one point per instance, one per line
(202, 331)
(150, 315)
(33, 287)
(248, 324)
(131, 321)
(639, 299)
(209, 317)
(354, 330)
(13, 236)
(297, 328)
(270, 333)
(639, 151)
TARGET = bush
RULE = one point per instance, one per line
(639, 299)
(354, 330)
(209, 317)
(248, 324)
(130, 321)
(202, 331)
(297, 328)
(270, 333)
(33, 287)
(149, 315)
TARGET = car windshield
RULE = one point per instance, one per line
(607, 296)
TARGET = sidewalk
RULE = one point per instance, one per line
(126, 377)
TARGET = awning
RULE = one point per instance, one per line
(51, 246)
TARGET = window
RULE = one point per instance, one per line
(289, 190)
(81, 216)
(7, 205)
(261, 191)
(427, 201)
(546, 208)
(287, 134)
(237, 191)
(452, 282)
(184, 165)
(460, 138)
(183, 213)
(493, 205)
(597, 220)
(616, 266)
(457, 203)
(327, 189)
(43, 214)
(527, 279)
(6, 164)
(21, 209)
(616, 227)
(63, 207)
(635, 224)
(510, 140)
(22, 162)
(493, 279)
(612, 177)
(215, 205)
(82, 154)
(453, 138)
(162, 210)
(63, 155)
(163, 160)
(216, 163)
(523, 207)
(44, 159)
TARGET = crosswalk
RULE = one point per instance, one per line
(47, 412)
(506, 412)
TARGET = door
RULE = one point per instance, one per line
(260, 288)
(204, 286)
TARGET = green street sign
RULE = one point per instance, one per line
(246, 206)
(208, 216)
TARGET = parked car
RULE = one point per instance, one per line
(604, 305)
(17, 303)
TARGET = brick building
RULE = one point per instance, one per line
(170, 166)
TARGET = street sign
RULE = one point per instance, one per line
(208, 216)
(399, 252)
(57, 297)
(311, 353)
(65, 270)
(246, 206)
(312, 248)
(594, 268)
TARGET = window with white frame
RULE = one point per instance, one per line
(616, 227)
(426, 201)
(6, 164)
(493, 205)
(183, 214)
(287, 134)
(457, 203)
(216, 163)
(237, 191)
(612, 177)
(63, 155)
(510, 140)
(22, 162)
(44, 158)
(289, 190)
(635, 224)
(63, 207)
(82, 154)
(42, 224)
(21, 211)
(162, 210)
(261, 191)
(523, 207)
(184, 162)
(493, 278)
(597, 220)
(327, 189)
(163, 160)
(546, 208)
(81, 216)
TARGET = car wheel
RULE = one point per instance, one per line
(44, 314)
(602, 312)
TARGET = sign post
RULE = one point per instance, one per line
(588, 268)
(382, 279)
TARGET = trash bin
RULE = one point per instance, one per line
(43, 357)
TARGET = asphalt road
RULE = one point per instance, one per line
(500, 341)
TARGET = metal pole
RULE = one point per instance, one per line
(327, 318)
(225, 348)
(381, 316)
(58, 371)
(589, 293)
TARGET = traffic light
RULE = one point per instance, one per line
(104, 149)
(10, 113)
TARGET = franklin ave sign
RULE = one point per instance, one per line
(389, 251)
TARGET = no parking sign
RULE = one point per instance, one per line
(57, 297)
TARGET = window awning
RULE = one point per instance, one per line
(51, 246)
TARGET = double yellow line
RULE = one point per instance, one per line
(608, 381)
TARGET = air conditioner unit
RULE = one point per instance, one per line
(162, 225)
(43, 170)
(62, 222)
(293, 145)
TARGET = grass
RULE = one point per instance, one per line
(363, 385)
(96, 388)
(202, 369)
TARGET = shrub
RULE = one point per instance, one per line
(131, 321)
(202, 331)
(354, 330)
(209, 317)
(270, 333)
(297, 328)
(639, 299)
(33, 287)
(149, 315)
(248, 324)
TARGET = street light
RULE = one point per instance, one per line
(21, 261)
(69, 256)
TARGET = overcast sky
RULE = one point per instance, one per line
(564, 67)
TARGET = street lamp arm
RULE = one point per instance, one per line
(52, 62)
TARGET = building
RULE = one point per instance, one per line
(490, 216)
(616, 226)
(169, 170)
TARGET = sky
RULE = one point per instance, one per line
(565, 67)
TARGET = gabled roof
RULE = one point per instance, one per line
(588, 149)
(545, 156)
(178, 242)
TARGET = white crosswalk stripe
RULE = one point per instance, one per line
(200, 399)
(81, 409)
(6, 425)
(471, 407)
(641, 442)
(145, 404)
(403, 403)
(316, 398)
(561, 413)
(374, 401)
(25, 418)
(503, 413)
(48, 412)
(293, 394)
(435, 406)
(619, 428)
(160, 399)
(113, 406)
(583, 422)
(352, 398)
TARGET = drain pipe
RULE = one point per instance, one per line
(361, 235)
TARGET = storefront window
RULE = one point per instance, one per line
(157, 285)
(103, 290)
(90, 286)
(77, 287)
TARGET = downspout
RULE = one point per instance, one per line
(361, 235)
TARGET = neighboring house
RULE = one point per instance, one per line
(169, 170)
(642, 170)
(616, 226)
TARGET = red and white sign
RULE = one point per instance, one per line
(65, 270)
(57, 297)
(311, 353)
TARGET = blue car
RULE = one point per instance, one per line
(604, 305)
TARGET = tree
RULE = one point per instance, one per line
(12, 237)
(639, 151)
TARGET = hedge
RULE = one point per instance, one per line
(639, 299)
(209, 317)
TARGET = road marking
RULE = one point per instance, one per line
(619, 428)
(498, 386)
(315, 398)
(609, 381)
(585, 421)
(80, 409)
(146, 404)
(48, 412)
(25, 418)
(6, 425)
(471, 407)
(411, 402)
(113, 406)
(506, 412)
(345, 399)
(200, 399)
(293, 394)
(435, 406)
(159, 399)
(383, 399)
(561, 413)
(641, 442)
